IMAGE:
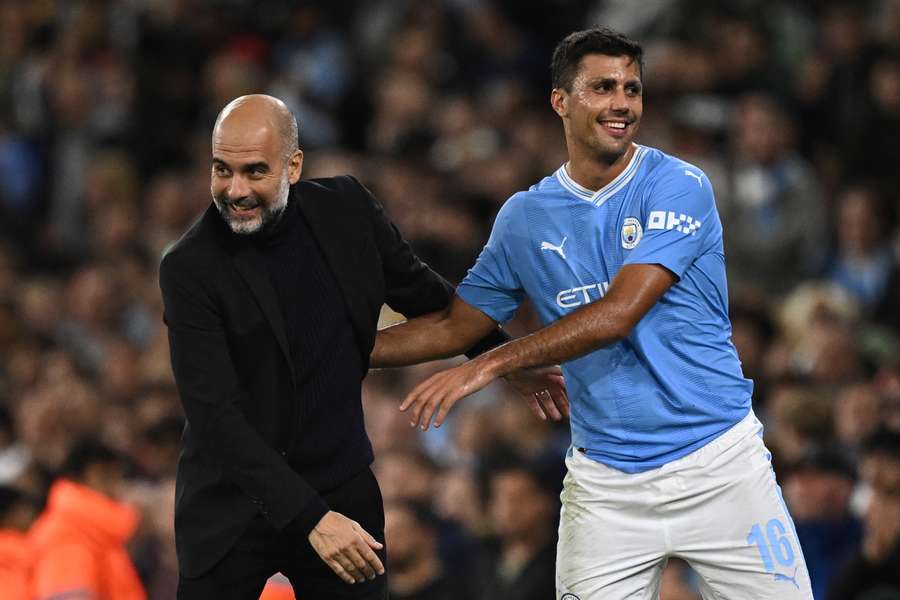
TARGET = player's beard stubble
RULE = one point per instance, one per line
(269, 214)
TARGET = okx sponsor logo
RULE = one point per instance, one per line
(662, 219)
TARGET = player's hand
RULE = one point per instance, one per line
(543, 389)
(442, 390)
(346, 547)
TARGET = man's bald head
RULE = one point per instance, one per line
(255, 160)
(260, 110)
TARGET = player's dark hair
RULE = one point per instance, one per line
(599, 40)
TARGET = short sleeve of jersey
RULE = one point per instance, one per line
(492, 285)
(679, 218)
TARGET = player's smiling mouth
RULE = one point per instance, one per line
(615, 127)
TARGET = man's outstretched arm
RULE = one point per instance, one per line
(440, 334)
(633, 292)
(452, 331)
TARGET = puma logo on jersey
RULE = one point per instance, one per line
(557, 249)
(695, 176)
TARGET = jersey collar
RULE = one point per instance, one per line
(609, 190)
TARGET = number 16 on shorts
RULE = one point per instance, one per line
(774, 542)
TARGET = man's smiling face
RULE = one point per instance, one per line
(603, 108)
(249, 180)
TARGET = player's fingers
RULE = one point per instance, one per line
(421, 412)
(445, 406)
(535, 407)
(413, 395)
(428, 411)
(419, 391)
(561, 394)
(416, 401)
(549, 404)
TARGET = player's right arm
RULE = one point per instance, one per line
(440, 334)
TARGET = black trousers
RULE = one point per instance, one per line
(263, 551)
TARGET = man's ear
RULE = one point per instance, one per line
(295, 166)
(559, 100)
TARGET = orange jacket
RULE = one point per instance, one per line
(79, 546)
(15, 566)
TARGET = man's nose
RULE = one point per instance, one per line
(238, 187)
(619, 101)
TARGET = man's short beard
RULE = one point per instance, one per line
(269, 215)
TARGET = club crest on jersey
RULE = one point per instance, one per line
(569, 597)
(631, 233)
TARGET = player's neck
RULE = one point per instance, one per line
(589, 172)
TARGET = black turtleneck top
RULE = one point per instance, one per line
(325, 436)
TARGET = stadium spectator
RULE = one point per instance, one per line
(864, 258)
(772, 211)
(417, 571)
(80, 539)
(874, 569)
(17, 512)
(818, 488)
(521, 563)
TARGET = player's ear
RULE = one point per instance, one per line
(559, 100)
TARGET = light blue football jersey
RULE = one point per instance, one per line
(675, 383)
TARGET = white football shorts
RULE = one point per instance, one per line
(718, 508)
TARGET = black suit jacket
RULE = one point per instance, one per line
(232, 365)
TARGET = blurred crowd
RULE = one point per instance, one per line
(792, 107)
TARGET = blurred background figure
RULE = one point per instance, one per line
(521, 561)
(417, 571)
(873, 571)
(818, 488)
(17, 512)
(79, 541)
(440, 107)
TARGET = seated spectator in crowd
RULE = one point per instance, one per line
(873, 571)
(79, 540)
(864, 259)
(773, 211)
(818, 489)
(418, 572)
(857, 414)
(17, 512)
(522, 563)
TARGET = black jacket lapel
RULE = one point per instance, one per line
(342, 249)
(251, 266)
